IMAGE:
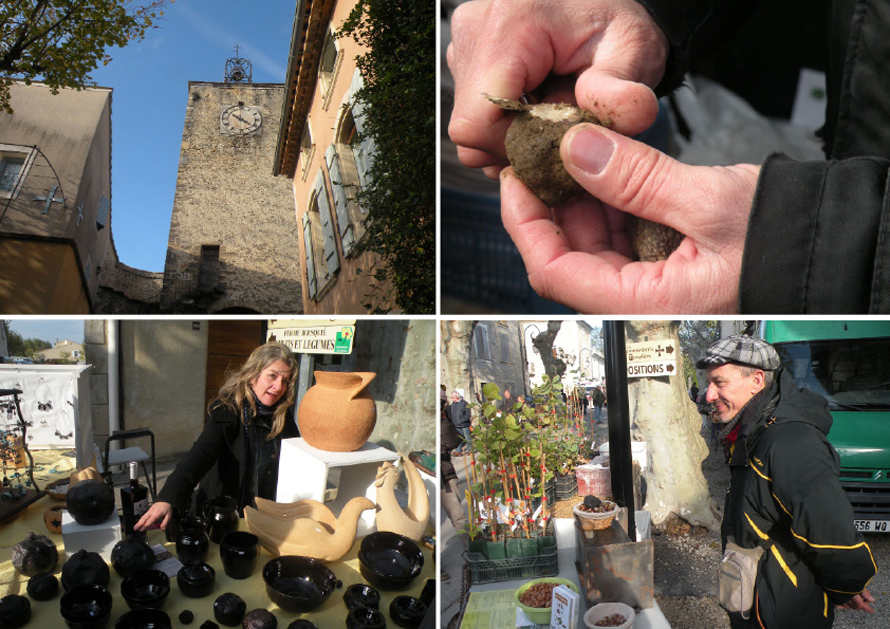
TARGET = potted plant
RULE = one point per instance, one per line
(516, 452)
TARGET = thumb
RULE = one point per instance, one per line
(627, 175)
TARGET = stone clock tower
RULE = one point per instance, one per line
(233, 245)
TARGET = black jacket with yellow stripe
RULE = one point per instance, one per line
(785, 495)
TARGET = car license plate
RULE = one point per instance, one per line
(872, 526)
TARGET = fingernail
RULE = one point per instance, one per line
(590, 150)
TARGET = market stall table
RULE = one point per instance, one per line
(331, 614)
(491, 605)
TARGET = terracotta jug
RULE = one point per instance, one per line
(337, 414)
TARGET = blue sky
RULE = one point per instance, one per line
(51, 330)
(150, 81)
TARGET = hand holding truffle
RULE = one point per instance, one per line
(580, 255)
(612, 51)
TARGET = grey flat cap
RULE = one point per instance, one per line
(741, 350)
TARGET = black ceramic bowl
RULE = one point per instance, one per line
(144, 619)
(146, 588)
(365, 618)
(298, 584)
(86, 607)
(389, 561)
(195, 579)
(407, 611)
(361, 595)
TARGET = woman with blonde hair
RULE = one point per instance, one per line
(237, 453)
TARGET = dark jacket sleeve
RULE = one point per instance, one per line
(818, 239)
(448, 440)
(694, 30)
(204, 454)
(806, 486)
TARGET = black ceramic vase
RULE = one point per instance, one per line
(239, 551)
(192, 545)
(222, 517)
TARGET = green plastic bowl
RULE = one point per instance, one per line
(540, 615)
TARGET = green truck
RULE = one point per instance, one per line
(848, 362)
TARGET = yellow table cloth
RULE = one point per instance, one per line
(253, 590)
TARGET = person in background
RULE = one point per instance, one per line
(459, 415)
(506, 403)
(598, 398)
(449, 493)
(237, 453)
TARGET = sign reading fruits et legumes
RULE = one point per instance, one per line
(327, 336)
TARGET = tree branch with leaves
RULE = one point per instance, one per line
(60, 42)
(399, 105)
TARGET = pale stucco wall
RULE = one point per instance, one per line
(72, 130)
(162, 374)
(165, 364)
(348, 292)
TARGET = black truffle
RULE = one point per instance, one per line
(260, 619)
(651, 241)
(532, 145)
(229, 609)
(302, 623)
(15, 611)
(43, 586)
(186, 617)
(209, 624)
(592, 502)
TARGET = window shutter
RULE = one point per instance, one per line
(310, 261)
(364, 150)
(331, 261)
(340, 202)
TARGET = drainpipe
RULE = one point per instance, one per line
(114, 420)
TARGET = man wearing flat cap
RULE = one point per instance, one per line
(784, 494)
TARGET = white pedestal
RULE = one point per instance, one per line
(97, 538)
(334, 478)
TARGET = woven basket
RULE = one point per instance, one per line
(594, 521)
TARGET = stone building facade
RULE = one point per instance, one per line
(233, 244)
(322, 149)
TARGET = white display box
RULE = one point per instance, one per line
(331, 477)
(97, 538)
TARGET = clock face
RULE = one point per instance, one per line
(240, 120)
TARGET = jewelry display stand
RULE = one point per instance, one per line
(18, 486)
(333, 478)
